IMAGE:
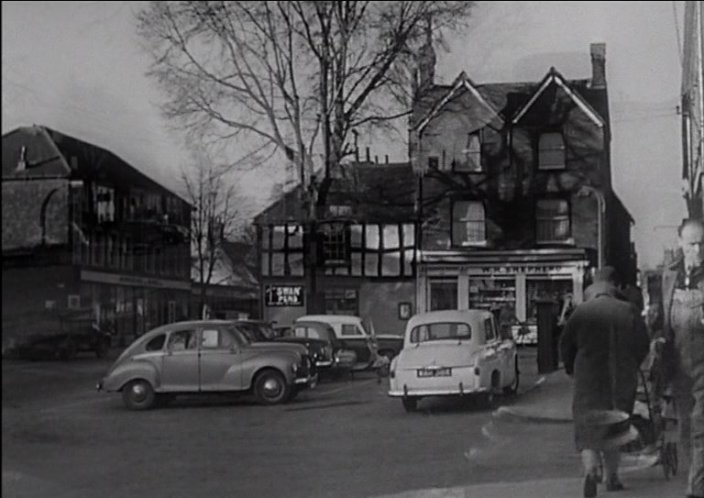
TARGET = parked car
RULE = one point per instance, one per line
(206, 356)
(73, 333)
(263, 331)
(353, 334)
(334, 357)
(457, 352)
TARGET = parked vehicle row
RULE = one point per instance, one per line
(441, 353)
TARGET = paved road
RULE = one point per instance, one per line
(62, 439)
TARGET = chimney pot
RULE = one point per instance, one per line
(598, 54)
(368, 156)
(386, 157)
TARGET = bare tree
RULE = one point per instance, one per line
(291, 76)
(214, 219)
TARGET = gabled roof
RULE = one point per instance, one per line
(52, 153)
(462, 83)
(376, 192)
(554, 76)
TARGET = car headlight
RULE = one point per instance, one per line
(294, 367)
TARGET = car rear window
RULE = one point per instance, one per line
(440, 331)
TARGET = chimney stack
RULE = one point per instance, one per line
(368, 157)
(598, 53)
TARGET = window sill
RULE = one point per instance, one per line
(567, 242)
(465, 245)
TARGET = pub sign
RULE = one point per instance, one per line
(284, 295)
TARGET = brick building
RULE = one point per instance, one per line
(515, 197)
(82, 229)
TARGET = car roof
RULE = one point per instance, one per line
(329, 318)
(448, 316)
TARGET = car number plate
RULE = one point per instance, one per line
(434, 372)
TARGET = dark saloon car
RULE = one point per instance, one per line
(206, 356)
(334, 356)
(262, 331)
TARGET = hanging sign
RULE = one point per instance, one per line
(284, 295)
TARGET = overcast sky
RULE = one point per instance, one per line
(78, 67)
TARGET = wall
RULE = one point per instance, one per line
(380, 300)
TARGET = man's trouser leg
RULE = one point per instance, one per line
(695, 486)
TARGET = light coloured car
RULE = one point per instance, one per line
(453, 352)
(206, 356)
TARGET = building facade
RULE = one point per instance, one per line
(366, 249)
(516, 203)
(84, 230)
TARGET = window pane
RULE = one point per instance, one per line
(371, 265)
(471, 159)
(356, 263)
(391, 237)
(265, 263)
(372, 234)
(552, 220)
(468, 222)
(295, 236)
(265, 238)
(409, 235)
(408, 262)
(356, 235)
(277, 266)
(295, 261)
(551, 151)
(391, 264)
(278, 240)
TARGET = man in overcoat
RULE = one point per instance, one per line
(678, 325)
(603, 344)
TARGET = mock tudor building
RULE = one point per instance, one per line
(84, 230)
(367, 246)
(516, 202)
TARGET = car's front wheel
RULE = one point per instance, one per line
(270, 387)
(138, 395)
(410, 404)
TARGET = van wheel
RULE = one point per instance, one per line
(410, 404)
(138, 395)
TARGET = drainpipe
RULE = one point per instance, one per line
(586, 190)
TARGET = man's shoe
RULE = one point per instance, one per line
(614, 484)
(589, 486)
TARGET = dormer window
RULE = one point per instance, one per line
(551, 151)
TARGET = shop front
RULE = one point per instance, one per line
(508, 281)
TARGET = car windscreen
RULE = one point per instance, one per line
(440, 331)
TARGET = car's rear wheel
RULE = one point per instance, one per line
(138, 395)
(270, 387)
(513, 387)
(410, 403)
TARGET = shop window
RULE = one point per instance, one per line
(552, 220)
(492, 293)
(443, 295)
(341, 302)
(551, 151)
(540, 289)
(468, 223)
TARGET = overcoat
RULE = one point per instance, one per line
(603, 344)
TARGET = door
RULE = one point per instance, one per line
(219, 359)
(353, 337)
(179, 370)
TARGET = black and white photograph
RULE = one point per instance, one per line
(352, 249)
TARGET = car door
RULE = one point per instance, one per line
(179, 369)
(353, 337)
(219, 353)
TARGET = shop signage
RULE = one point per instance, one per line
(284, 295)
(133, 280)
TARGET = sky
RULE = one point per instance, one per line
(78, 67)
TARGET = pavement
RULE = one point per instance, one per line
(549, 400)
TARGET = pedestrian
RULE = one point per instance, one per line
(603, 344)
(678, 326)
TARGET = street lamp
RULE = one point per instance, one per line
(586, 190)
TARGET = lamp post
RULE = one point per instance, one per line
(586, 190)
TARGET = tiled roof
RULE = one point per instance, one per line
(376, 192)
